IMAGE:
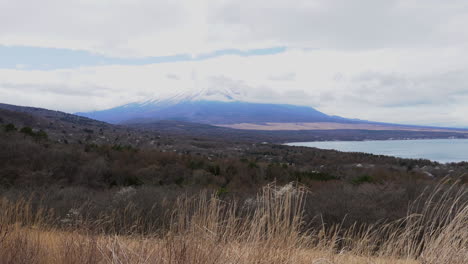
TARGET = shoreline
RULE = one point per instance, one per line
(405, 152)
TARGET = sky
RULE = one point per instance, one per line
(400, 61)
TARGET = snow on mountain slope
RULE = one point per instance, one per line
(223, 94)
(210, 106)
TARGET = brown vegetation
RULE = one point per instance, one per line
(95, 199)
(333, 126)
(268, 229)
(90, 177)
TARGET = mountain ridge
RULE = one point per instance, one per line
(212, 112)
(223, 105)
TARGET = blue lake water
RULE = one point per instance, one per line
(441, 150)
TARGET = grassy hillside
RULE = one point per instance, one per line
(268, 229)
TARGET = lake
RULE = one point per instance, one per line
(441, 150)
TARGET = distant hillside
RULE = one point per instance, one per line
(64, 127)
(69, 128)
(225, 134)
(35, 114)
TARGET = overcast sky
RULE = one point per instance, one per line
(384, 60)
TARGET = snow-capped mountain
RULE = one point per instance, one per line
(211, 106)
(224, 94)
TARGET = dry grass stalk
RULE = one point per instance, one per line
(268, 229)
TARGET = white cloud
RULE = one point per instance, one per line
(402, 86)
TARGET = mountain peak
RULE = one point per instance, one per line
(224, 94)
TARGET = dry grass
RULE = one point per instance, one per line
(269, 229)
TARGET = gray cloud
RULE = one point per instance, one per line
(64, 97)
(395, 90)
(165, 27)
(290, 76)
(58, 89)
(172, 76)
(342, 24)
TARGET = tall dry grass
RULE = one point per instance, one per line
(268, 229)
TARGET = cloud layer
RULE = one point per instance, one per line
(384, 60)
(167, 27)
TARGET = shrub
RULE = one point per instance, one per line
(231, 169)
(124, 148)
(91, 147)
(131, 180)
(27, 131)
(252, 165)
(362, 179)
(179, 181)
(214, 169)
(10, 127)
(222, 191)
(41, 135)
(315, 176)
(196, 164)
